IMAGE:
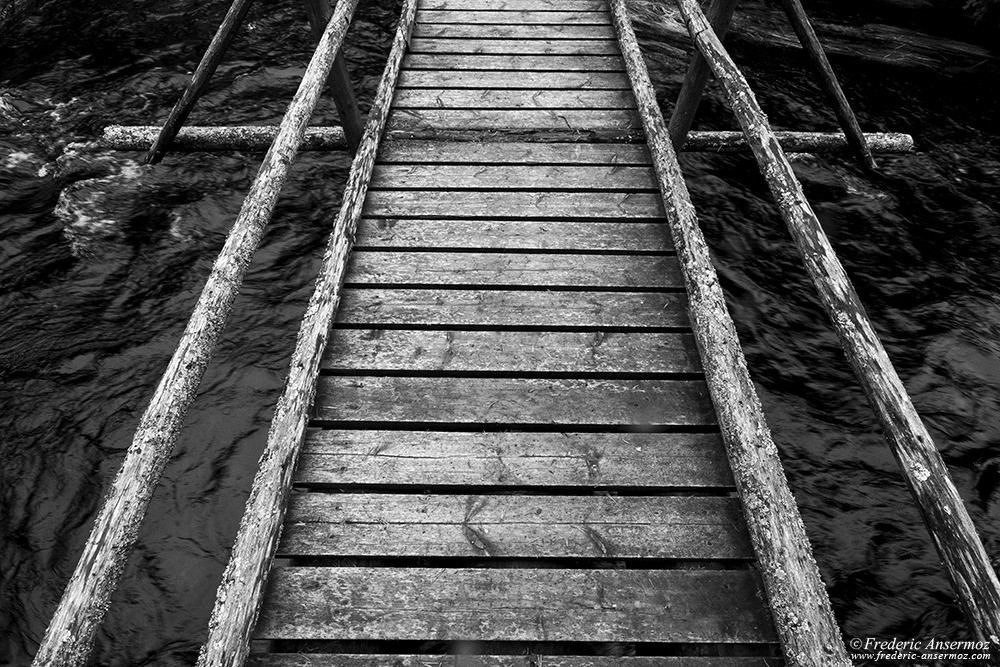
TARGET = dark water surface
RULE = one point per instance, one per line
(95, 289)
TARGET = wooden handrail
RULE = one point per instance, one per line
(84, 603)
(239, 597)
(925, 473)
(801, 608)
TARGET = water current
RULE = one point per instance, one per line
(101, 262)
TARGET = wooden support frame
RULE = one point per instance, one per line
(84, 603)
(801, 608)
(944, 513)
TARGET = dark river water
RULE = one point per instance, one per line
(102, 262)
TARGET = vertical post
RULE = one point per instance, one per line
(339, 81)
(206, 68)
(803, 28)
(720, 15)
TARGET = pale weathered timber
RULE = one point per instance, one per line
(944, 513)
(525, 402)
(524, 153)
(318, 12)
(516, 605)
(505, 120)
(795, 592)
(423, 78)
(515, 204)
(513, 308)
(848, 121)
(259, 138)
(85, 601)
(565, 352)
(516, 5)
(515, 177)
(421, 459)
(475, 269)
(385, 233)
(486, 46)
(223, 37)
(479, 17)
(517, 62)
(445, 98)
(463, 660)
(243, 582)
(514, 526)
(574, 32)
(720, 14)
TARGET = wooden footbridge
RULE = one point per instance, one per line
(518, 427)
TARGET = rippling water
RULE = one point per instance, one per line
(102, 262)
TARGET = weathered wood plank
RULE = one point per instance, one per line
(416, 267)
(423, 78)
(588, 47)
(568, 352)
(384, 233)
(499, 32)
(459, 400)
(516, 17)
(471, 204)
(514, 177)
(516, 5)
(515, 605)
(514, 459)
(512, 308)
(424, 120)
(514, 62)
(451, 98)
(514, 526)
(464, 152)
(464, 660)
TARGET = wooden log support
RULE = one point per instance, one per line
(224, 36)
(71, 632)
(259, 138)
(240, 593)
(720, 15)
(318, 12)
(802, 615)
(947, 520)
(803, 28)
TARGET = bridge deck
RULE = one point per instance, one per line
(512, 444)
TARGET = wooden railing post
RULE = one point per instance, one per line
(318, 12)
(944, 513)
(224, 36)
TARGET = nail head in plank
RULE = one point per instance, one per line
(423, 78)
(514, 177)
(421, 152)
(515, 605)
(469, 204)
(482, 99)
(514, 62)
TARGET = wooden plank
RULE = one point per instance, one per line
(516, 5)
(384, 233)
(512, 308)
(514, 177)
(570, 352)
(461, 400)
(466, 660)
(515, 605)
(560, 270)
(514, 526)
(471, 204)
(464, 152)
(523, 80)
(522, 17)
(451, 98)
(499, 32)
(588, 47)
(514, 62)
(421, 459)
(583, 120)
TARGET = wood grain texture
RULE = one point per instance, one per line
(444, 98)
(513, 17)
(514, 62)
(512, 308)
(637, 404)
(457, 152)
(426, 660)
(384, 233)
(567, 352)
(471, 204)
(588, 47)
(516, 605)
(571, 120)
(572, 32)
(516, 5)
(419, 459)
(423, 78)
(514, 177)
(514, 526)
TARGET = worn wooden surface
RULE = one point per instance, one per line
(465, 660)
